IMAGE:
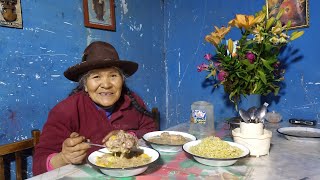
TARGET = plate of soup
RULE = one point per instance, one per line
(168, 141)
(123, 165)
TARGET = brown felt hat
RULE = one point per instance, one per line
(99, 55)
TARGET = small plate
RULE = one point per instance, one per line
(300, 133)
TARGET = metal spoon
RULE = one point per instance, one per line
(135, 149)
(252, 113)
(261, 112)
(93, 144)
(244, 115)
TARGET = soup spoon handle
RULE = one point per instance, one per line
(93, 144)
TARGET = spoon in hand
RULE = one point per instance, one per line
(93, 144)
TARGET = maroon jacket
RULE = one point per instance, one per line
(78, 113)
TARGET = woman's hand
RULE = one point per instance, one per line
(73, 151)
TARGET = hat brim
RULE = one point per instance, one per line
(74, 73)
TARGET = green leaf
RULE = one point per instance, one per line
(212, 73)
(247, 78)
(276, 91)
(231, 95)
(270, 22)
(248, 64)
(280, 14)
(296, 35)
(254, 89)
(268, 47)
(267, 65)
(262, 76)
(271, 60)
(259, 88)
(289, 24)
(235, 82)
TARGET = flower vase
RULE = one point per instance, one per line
(254, 137)
(245, 103)
(249, 101)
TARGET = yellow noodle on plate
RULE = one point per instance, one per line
(214, 147)
(113, 161)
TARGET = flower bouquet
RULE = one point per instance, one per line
(249, 65)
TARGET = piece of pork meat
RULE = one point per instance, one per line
(122, 142)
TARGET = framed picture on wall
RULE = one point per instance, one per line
(99, 14)
(10, 15)
(295, 10)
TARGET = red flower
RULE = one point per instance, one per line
(251, 57)
(208, 56)
(202, 67)
(222, 75)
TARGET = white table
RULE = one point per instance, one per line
(287, 160)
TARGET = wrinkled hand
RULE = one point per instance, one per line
(74, 149)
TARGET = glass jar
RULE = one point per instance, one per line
(202, 119)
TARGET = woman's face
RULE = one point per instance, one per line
(104, 86)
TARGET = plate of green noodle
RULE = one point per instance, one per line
(213, 151)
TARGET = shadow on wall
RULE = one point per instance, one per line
(288, 57)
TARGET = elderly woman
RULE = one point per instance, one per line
(98, 107)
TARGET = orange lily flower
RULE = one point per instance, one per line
(260, 18)
(213, 38)
(243, 21)
(222, 31)
(216, 37)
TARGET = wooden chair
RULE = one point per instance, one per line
(17, 149)
(156, 116)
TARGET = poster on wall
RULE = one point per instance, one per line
(10, 15)
(296, 11)
(99, 14)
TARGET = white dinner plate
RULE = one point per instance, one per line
(215, 161)
(122, 172)
(166, 147)
(305, 134)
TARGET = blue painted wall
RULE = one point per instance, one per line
(53, 38)
(166, 37)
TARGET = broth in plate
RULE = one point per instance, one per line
(169, 139)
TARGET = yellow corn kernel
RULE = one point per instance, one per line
(145, 156)
(113, 137)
